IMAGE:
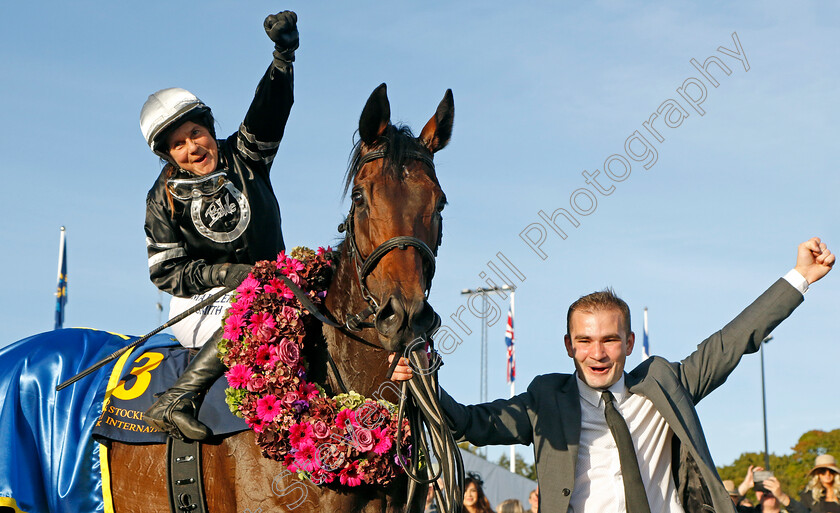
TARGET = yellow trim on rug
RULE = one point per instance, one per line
(113, 382)
(8, 502)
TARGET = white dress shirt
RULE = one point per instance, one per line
(599, 484)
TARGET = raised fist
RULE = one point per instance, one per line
(282, 29)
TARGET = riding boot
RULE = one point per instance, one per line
(176, 410)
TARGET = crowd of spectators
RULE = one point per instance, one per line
(821, 495)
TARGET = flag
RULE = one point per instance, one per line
(511, 354)
(645, 343)
(61, 289)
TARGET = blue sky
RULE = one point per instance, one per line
(543, 92)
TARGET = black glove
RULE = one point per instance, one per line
(282, 29)
(226, 275)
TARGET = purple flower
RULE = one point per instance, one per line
(363, 439)
(300, 406)
(321, 430)
(289, 352)
(290, 397)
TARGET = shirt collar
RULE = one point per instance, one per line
(593, 395)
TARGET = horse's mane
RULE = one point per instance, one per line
(397, 141)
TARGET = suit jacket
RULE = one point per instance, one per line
(548, 414)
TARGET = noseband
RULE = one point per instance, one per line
(365, 266)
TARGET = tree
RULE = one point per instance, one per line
(522, 468)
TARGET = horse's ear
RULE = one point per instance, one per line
(375, 116)
(438, 130)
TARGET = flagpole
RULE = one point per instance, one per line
(60, 254)
(512, 371)
(512, 447)
(61, 287)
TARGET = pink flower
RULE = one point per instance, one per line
(262, 326)
(290, 314)
(350, 475)
(308, 391)
(238, 376)
(268, 408)
(256, 384)
(301, 434)
(289, 352)
(384, 441)
(249, 287)
(305, 458)
(261, 321)
(273, 357)
(290, 397)
(292, 265)
(344, 416)
(295, 278)
(321, 251)
(321, 430)
(363, 439)
(241, 306)
(263, 355)
(255, 424)
(233, 326)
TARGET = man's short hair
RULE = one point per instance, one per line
(602, 300)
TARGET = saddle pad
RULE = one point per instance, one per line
(48, 460)
(149, 372)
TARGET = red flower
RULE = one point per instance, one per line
(350, 475)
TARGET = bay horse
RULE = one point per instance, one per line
(395, 196)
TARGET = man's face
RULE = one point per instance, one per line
(193, 148)
(599, 345)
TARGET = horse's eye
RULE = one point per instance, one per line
(441, 204)
(358, 197)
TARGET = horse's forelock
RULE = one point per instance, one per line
(397, 141)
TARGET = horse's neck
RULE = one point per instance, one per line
(361, 366)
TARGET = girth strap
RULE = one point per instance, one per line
(183, 477)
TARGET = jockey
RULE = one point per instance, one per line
(212, 214)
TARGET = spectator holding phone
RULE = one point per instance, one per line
(768, 490)
(822, 494)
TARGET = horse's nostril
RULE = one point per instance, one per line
(390, 318)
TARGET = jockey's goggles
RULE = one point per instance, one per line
(187, 188)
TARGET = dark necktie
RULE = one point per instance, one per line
(634, 488)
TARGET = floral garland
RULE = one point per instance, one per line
(347, 439)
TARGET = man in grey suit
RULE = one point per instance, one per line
(563, 415)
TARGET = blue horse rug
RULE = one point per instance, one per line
(53, 445)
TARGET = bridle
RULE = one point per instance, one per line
(366, 265)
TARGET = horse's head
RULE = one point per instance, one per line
(394, 225)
